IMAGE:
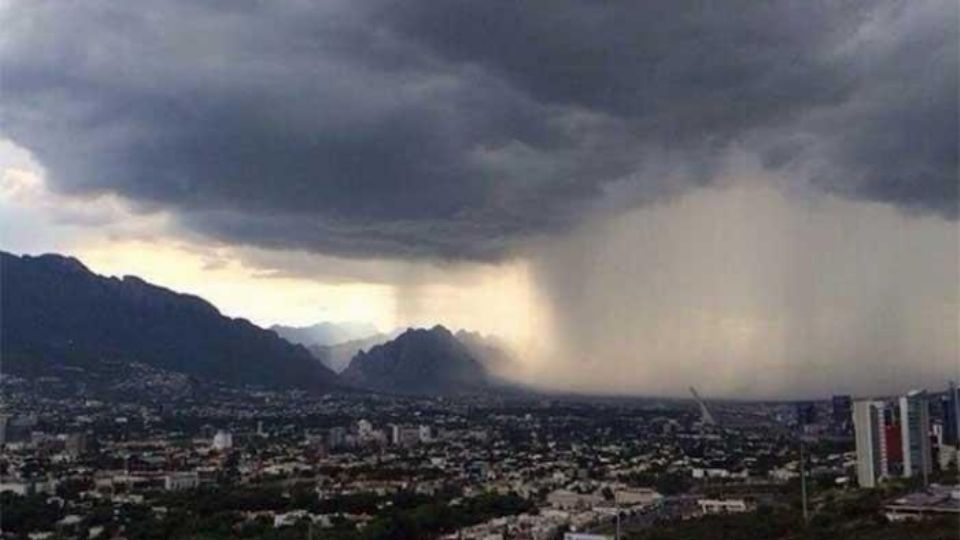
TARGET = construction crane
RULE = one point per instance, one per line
(705, 415)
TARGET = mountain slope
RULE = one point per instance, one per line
(325, 333)
(490, 352)
(55, 309)
(418, 361)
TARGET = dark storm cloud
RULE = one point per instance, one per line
(896, 138)
(691, 69)
(453, 129)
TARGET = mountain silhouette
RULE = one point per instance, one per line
(56, 310)
(418, 361)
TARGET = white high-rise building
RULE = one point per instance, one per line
(364, 429)
(915, 434)
(223, 440)
(871, 450)
(394, 434)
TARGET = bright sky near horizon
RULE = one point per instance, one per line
(112, 239)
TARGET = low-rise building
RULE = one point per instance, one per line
(179, 481)
(722, 506)
(636, 497)
(933, 501)
(568, 500)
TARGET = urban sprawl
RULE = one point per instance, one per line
(159, 453)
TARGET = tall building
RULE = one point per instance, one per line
(336, 437)
(915, 434)
(3, 428)
(806, 412)
(951, 415)
(76, 444)
(842, 409)
(893, 447)
(948, 450)
(223, 440)
(870, 443)
(404, 435)
(364, 429)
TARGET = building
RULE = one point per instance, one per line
(949, 441)
(29, 487)
(478, 470)
(316, 447)
(563, 499)
(404, 435)
(178, 481)
(336, 437)
(915, 434)
(76, 444)
(290, 519)
(868, 425)
(950, 404)
(806, 412)
(364, 429)
(19, 428)
(933, 501)
(636, 497)
(223, 440)
(893, 446)
(4, 418)
(842, 411)
(722, 506)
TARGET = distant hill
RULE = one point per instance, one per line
(326, 333)
(419, 361)
(55, 309)
(337, 357)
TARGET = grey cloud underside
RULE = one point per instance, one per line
(457, 130)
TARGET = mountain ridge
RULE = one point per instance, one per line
(420, 362)
(55, 308)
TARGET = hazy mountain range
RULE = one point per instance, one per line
(335, 343)
(338, 356)
(326, 333)
(56, 310)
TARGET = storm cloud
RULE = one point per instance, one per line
(462, 130)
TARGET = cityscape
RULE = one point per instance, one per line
(479, 270)
(136, 451)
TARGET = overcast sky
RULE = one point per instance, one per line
(634, 194)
